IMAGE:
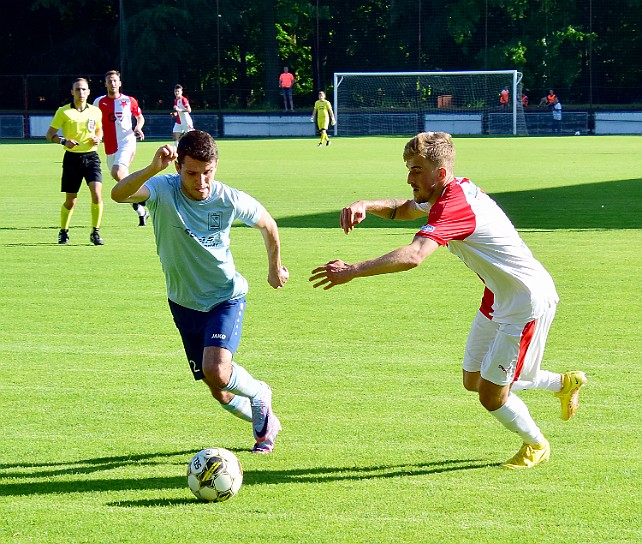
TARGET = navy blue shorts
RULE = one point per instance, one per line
(76, 166)
(220, 327)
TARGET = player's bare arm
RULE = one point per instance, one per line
(277, 273)
(131, 188)
(140, 121)
(52, 132)
(404, 258)
(392, 208)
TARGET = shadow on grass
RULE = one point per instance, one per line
(605, 205)
(257, 477)
(86, 466)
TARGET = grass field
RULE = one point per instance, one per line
(99, 413)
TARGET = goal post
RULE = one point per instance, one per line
(401, 103)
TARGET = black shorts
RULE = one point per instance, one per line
(76, 166)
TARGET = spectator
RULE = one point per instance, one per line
(557, 116)
(548, 100)
(286, 82)
(524, 100)
(504, 97)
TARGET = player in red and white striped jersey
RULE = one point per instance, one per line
(119, 111)
(507, 338)
(182, 119)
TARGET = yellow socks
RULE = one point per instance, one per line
(65, 217)
(96, 214)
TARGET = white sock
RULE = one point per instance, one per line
(550, 381)
(242, 383)
(514, 415)
(239, 407)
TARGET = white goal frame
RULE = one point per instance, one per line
(515, 76)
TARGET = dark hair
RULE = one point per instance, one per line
(199, 145)
(112, 73)
(178, 86)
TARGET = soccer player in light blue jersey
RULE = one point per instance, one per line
(192, 214)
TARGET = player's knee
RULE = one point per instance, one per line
(470, 381)
(492, 396)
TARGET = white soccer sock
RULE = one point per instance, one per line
(242, 383)
(550, 381)
(514, 415)
(239, 407)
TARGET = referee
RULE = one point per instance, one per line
(82, 131)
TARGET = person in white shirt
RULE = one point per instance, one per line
(507, 338)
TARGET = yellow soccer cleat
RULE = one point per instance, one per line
(572, 382)
(528, 456)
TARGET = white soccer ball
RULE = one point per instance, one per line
(577, 133)
(214, 475)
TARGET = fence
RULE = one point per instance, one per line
(159, 126)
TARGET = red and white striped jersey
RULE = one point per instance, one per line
(476, 229)
(183, 117)
(118, 122)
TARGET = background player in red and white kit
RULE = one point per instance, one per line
(182, 118)
(120, 134)
(507, 338)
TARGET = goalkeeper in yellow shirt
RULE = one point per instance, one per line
(325, 116)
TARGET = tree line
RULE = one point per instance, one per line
(228, 53)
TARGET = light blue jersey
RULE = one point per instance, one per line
(193, 240)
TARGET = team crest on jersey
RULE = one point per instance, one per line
(427, 228)
(214, 221)
(91, 125)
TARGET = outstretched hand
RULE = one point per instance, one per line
(331, 274)
(352, 215)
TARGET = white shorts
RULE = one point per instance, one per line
(502, 352)
(181, 129)
(124, 156)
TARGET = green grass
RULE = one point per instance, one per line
(99, 413)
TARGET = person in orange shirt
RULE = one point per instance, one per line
(549, 99)
(286, 82)
(504, 97)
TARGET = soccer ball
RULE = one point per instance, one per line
(214, 475)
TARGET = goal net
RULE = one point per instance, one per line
(403, 103)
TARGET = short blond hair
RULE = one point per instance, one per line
(436, 147)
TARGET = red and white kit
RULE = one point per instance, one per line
(183, 121)
(118, 121)
(520, 298)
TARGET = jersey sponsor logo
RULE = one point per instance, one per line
(213, 240)
(427, 228)
(214, 221)
(219, 335)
